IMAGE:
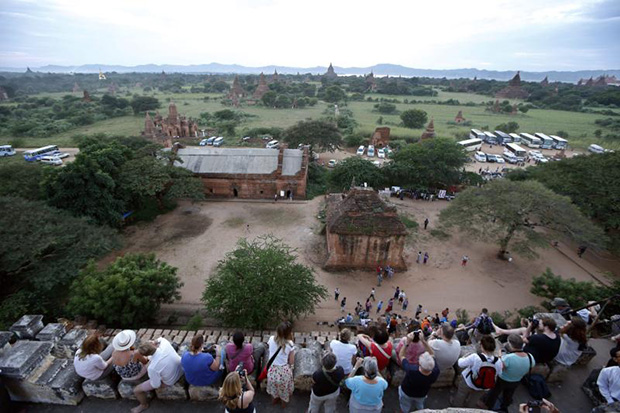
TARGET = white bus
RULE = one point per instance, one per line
(502, 137)
(6, 150)
(36, 154)
(559, 143)
(490, 138)
(545, 141)
(476, 134)
(530, 141)
(515, 137)
(516, 150)
(470, 145)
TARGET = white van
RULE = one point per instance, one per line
(371, 151)
(272, 144)
(51, 160)
(219, 141)
(360, 150)
(595, 148)
(480, 156)
(6, 150)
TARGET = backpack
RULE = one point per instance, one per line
(486, 325)
(537, 386)
(485, 378)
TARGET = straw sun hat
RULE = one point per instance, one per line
(124, 340)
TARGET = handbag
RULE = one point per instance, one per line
(263, 374)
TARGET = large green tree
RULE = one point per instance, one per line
(259, 284)
(41, 252)
(413, 118)
(334, 94)
(128, 293)
(316, 133)
(429, 164)
(141, 104)
(360, 169)
(522, 216)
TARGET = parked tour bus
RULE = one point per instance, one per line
(515, 137)
(516, 150)
(530, 141)
(559, 143)
(502, 138)
(476, 134)
(545, 141)
(490, 138)
(470, 145)
(6, 150)
(36, 154)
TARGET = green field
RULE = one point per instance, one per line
(580, 126)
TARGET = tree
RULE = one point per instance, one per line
(430, 164)
(269, 99)
(129, 292)
(141, 104)
(510, 127)
(413, 118)
(356, 168)
(259, 284)
(316, 133)
(385, 108)
(523, 215)
(334, 94)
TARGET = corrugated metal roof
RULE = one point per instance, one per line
(258, 161)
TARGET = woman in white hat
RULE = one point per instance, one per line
(128, 363)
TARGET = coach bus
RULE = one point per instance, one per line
(559, 143)
(476, 134)
(545, 141)
(515, 137)
(530, 141)
(502, 138)
(470, 145)
(516, 150)
(36, 154)
(490, 138)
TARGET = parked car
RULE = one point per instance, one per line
(62, 155)
(219, 141)
(491, 158)
(51, 160)
(246, 138)
(371, 151)
(535, 153)
(499, 159)
(6, 150)
(332, 163)
(211, 140)
(272, 144)
(510, 158)
(480, 156)
(381, 153)
(594, 148)
(376, 163)
(203, 142)
(360, 150)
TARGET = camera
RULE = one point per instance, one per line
(240, 370)
(534, 323)
(210, 349)
(416, 335)
(533, 406)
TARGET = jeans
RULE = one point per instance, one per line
(328, 401)
(406, 402)
(506, 389)
(463, 392)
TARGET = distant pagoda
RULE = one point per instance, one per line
(262, 87)
(513, 90)
(330, 74)
(459, 117)
(429, 133)
(545, 81)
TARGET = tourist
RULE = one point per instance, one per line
(464, 260)
(482, 326)
(379, 346)
(326, 386)
(344, 351)
(515, 366)
(247, 228)
(390, 306)
(358, 308)
(379, 279)
(396, 292)
(445, 313)
(545, 344)
(390, 272)
(348, 319)
(609, 381)
(280, 383)
(401, 297)
(446, 347)
(561, 307)
(426, 221)
(343, 304)
(418, 311)
(336, 293)
(418, 379)
(414, 342)
(379, 305)
(573, 341)
(367, 390)
(392, 324)
(234, 394)
(128, 363)
(590, 313)
(372, 294)
(480, 371)
(239, 352)
(405, 303)
(425, 257)
(201, 368)
(379, 270)
(582, 249)
(88, 361)
(419, 257)
(275, 197)
(164, 369)
(368, 305)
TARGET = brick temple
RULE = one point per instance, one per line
(162, 130)
(513, 90)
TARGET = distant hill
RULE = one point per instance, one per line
(379, 70)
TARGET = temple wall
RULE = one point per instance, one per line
(364, 252)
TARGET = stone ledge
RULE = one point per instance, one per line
(203, 393)
(105, 388)
(125, 389)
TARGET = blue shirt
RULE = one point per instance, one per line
(516, 367)
(198, 369)
(416, 384)
(365, 393)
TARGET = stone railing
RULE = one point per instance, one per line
(38, 367)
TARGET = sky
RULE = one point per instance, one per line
(531, 35)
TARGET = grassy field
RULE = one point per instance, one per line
(580, 126)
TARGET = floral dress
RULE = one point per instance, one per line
(280, 375)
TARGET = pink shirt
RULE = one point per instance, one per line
(235, 356)
(413, 351)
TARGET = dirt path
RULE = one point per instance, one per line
(195, 237)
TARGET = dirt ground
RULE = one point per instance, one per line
(195, 236)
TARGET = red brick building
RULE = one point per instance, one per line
(250, 173)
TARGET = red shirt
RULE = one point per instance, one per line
(382, 361)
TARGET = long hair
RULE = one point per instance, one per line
(197, 343)
(576, 330)
(284, 334)
(230, 390)
(90, 345)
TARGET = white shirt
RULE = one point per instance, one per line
(609, 383)
(569, 351)
(282, 357)
(446, 353)
(90, 367)
(344, 352)
(584, 314)
(472, 363)
(165, 365)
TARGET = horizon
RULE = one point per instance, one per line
(531, 36)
